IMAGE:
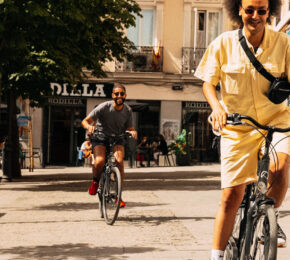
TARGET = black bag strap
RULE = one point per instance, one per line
(259, 67)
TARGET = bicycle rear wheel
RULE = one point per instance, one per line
(263, 244)
(112, 195)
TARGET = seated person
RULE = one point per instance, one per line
(86, 150)
(142, 150)
(161, 149)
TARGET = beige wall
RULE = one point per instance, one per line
(164, 92)
(172, 35)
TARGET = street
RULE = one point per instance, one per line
(170, 211)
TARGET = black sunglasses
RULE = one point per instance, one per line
(251, 11)
(119, 94)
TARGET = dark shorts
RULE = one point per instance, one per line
(101, 140)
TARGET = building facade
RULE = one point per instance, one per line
(171, 38)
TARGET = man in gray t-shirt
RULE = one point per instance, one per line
(111, 121)
(110, 118)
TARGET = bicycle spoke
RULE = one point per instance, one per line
(111, 196)
(264, 238)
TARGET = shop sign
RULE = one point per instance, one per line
(84, 90)
(66, 101)
(197, 105)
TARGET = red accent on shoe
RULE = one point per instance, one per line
(122, 204)
(93, 188)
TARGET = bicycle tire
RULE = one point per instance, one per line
(231, 251)
(100, 195)
(263, 244)
(112, 195)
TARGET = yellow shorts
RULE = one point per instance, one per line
(239, 154)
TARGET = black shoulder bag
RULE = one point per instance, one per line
(280, 87)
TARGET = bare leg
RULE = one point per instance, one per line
(99, 160)
(119, 153)
(224, 222)
(280, 185)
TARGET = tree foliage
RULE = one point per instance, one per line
(48, 40)
(44, 40)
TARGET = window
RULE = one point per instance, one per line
(213, 26)
(201, 21)
(206, 26)
(142, 34)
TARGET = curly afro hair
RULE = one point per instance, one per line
(232, 7)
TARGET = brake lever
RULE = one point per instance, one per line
(234, 119)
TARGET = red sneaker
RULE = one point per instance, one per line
(94, 188)
(122, 204)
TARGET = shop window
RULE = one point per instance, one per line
(199, 134)
(148, 120)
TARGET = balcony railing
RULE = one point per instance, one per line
(143, 61)
(191, 58)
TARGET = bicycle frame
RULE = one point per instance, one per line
(255, 201)
(110, 174)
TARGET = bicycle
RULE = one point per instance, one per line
(254, 234)
(110, 185)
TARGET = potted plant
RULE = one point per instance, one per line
(179, 149)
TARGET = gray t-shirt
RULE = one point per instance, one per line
(111, 121)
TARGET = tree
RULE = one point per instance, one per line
(44, 40)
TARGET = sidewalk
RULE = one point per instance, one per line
(48, 214)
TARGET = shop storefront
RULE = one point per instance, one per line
(199, 134)
(57, 129)
(62, 130)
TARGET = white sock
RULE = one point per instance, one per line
(217, 254)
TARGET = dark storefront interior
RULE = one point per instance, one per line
(147, 120)
(63, 133)
(199, 134)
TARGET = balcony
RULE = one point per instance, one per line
(191, 58)
(143, 61)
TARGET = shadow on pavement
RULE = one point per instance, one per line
(31, 178)
(157, 220)
(284, 213)
(79, 182)
(72, 251)
(76, 206)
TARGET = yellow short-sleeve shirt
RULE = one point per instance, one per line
(244, 91)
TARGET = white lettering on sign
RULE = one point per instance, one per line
(56, 88)
(202, 105)
(65, 101)
(85, 92)
(99, 91)
(62, 90)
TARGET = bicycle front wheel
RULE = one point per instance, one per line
(112, 195)
(263, 244)
(231, 251)
(100, 195)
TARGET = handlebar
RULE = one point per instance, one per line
(236, 119)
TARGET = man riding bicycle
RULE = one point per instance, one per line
(109, 118)
(243, 90)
